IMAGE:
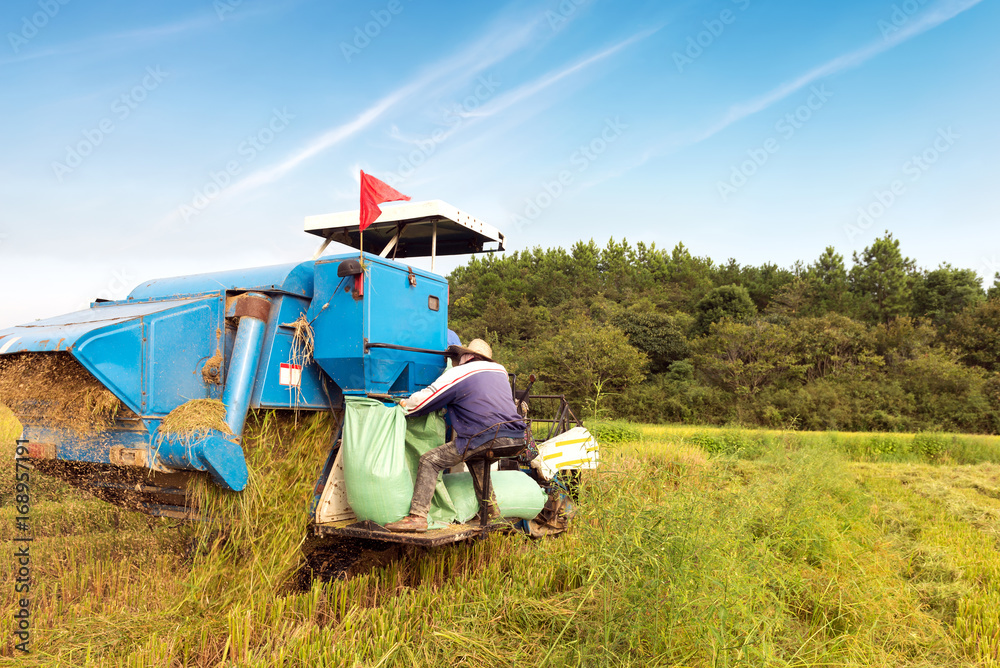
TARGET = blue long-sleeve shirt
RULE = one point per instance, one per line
(479, 401)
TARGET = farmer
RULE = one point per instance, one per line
(477, 393)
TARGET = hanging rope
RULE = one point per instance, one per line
(301, 354)
(303, 341)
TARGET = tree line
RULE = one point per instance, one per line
(642, 333)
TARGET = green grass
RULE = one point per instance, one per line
(693, 547)
(932, 448)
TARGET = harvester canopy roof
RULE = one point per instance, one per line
(412, 229)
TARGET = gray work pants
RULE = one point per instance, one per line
(433, 462)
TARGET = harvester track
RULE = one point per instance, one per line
(344, 558)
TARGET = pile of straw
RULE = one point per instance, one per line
(198, 416)
(54, 390)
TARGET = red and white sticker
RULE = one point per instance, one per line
(290, 375)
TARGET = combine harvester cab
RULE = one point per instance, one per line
(92, 389)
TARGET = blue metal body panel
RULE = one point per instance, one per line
(115, 356)
(337, 322)
(399, 313)
(393, 309)
(268, 392)
(61, 332)
(288, 278)
(177, 344)
(94, 448)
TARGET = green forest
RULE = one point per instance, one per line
(641, 333)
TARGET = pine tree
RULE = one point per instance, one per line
(882, 278)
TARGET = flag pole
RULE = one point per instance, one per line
(361, 238)
(361, 222)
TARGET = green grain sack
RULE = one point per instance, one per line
(376, 475)
(422, 434)
(517, 494)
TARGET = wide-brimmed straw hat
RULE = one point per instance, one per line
(475, 347)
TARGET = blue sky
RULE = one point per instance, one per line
(155, 139)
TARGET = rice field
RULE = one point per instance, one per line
(692, 547)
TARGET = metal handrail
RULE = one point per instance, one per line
(409, 349)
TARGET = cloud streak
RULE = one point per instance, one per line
(932, 18)
(500, 43)
(141, 37)
(528, 90)
(125, 39)
(518, 95)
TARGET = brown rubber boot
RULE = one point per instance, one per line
(409, 524)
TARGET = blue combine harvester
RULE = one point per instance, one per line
(378, 327)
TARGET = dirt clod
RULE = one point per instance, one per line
(211, 373)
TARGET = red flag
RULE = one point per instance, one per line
(373, 193)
